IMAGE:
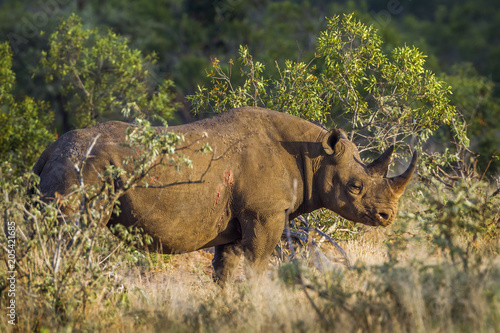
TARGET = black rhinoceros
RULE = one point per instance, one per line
(247, 185)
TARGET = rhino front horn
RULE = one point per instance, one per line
(399, 183)
(378, 168)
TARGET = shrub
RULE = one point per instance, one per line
(99, 76)
(23, 123)
(379, 99)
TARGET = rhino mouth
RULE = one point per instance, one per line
(378, 219)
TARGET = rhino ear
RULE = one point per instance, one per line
(331, 142)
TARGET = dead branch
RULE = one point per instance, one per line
(330, 240)
(287, 218)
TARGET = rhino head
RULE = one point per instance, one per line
(359, 192)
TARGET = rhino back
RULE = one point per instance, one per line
(252, 167)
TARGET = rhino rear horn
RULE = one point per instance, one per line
(331, 142)
(399, 183)
(378, 168)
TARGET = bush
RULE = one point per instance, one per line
(99, 76)
(23, 123)
(378, 99)
(441, 272)
(66, 265)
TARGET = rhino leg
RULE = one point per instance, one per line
(226, 259)
(260, 237)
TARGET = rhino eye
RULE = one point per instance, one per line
(355, 187)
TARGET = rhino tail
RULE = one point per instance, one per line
(38, 167)
(40, 163)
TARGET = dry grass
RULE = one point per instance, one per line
(179, 296)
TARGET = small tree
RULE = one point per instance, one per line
(379, 99)
(23, 123)
(474, 98)
(99, 76)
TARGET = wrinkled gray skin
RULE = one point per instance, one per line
(246, 185)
